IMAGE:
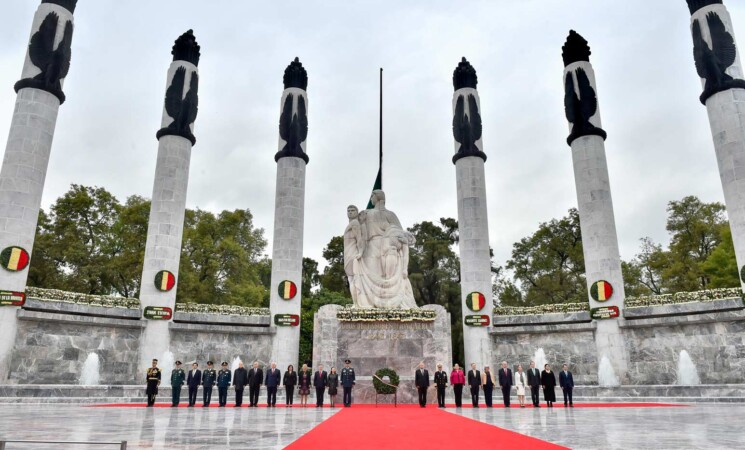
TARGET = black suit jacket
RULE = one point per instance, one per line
(320, 379)
(421, 378)
(534, 379)
(505, 380)
(474, 380)
(255, 377)
(566, 381)
(195, 379)
(240, 378)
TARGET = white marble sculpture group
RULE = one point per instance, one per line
(376, 257)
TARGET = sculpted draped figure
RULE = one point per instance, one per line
(376, 257)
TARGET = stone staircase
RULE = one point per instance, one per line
(72, 394)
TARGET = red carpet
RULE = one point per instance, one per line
(410, 427)
(406, 406)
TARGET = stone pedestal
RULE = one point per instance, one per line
(371, 346)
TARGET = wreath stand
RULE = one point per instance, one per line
(395, 392)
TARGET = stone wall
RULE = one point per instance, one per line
(54, 339)
(713, 333)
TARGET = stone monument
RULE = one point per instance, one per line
(289, 215)
(718, 65)
(24, 168)
(376, 257)
(166, 225)
(473, 219)
(597, 221)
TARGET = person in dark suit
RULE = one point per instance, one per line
(255, 379)
(193, 380)
(421, 381)
(347, 382)
(534, 381)
(487, 383)
(152, 381)
(548, 381)
(240, 380)
(273, 379)
(178, 378)
(320, 380)
(209, 378)
(566, 381)
(223, 382)
(441, 382)
(505, 382)
(289, 380)
(474, 381)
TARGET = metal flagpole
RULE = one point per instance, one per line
(381, 129)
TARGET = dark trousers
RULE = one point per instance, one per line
(458, 392)
(193, 395)
(347, 396)
(175, 395)
(319, 396)
(289, 391)
(475, 396)
(506, 391)
(488, 390)
(222, 395)
(441, 396)
(151, 399)
(238, 397)
(206, 395)
(422, 396)
(271, 395)
(253, 395)
(567, 395)
(534, 395)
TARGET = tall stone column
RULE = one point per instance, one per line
(718, 65)
(166, 225)
(289, 214)
(24, 167)
(473, 223)
(597, 221)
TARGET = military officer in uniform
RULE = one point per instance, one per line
(347, 381)
(153, 381)
(223, 382)
(178, 378)
(209, 376)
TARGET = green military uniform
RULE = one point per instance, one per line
(223, 382)
(347, 382)
(153, 381)
(177, 380)
(209, 376)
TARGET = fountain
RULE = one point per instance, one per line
(606, 374)
(91, 373)
(166, 363)
(687, 373)
(234, 365)
(540, 358)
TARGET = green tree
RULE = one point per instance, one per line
(311, 277)
(334, 277)
(643, 274)
(44, 269)
(721, 265)
(125, 247)
(310, 306)
(549, 264)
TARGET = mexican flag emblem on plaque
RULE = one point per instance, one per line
(475, 301)
(601, 291)
(287, 290)
(14, 258)
(165, 280)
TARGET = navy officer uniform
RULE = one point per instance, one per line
(153, 381)
(347, 382)
(209, 377)
(223, 382)
(178, 378)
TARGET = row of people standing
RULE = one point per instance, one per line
(477, 381)
(253, 379)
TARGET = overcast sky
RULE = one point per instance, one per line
(659, 144)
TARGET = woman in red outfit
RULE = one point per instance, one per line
(458, 380)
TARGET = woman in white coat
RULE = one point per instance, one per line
(521, 380)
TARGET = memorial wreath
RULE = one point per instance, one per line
(382, 387)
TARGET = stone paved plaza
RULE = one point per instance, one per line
(683, 427)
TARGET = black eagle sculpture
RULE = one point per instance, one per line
(467, 128)
(581, 106)
(293, 128)
(54, 63)
(712, 62)
(67, 4)
(181, 108)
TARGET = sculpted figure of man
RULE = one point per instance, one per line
(354, 246)
(380, 276)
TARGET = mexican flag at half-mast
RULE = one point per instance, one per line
(379, 179)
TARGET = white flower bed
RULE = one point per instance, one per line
(106, 301)
(225, 310)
